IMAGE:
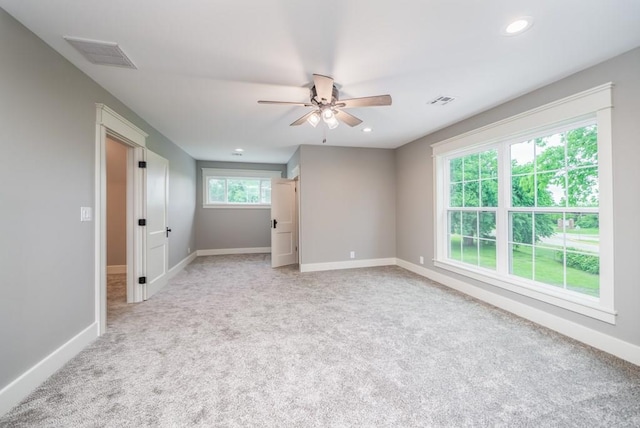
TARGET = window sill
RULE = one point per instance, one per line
(586, 305)
(239, 206)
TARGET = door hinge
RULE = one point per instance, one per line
(142, 280)
(142, 222)
(142, 164)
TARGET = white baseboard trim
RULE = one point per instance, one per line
(181, 265)
(116, 269)
(224, 251)
(348, 264)
(625, 350)
(12, 394)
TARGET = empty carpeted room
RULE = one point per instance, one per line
(284, 213)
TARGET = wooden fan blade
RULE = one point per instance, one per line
(303, 119)
(378, 100)
(347, 118)
(286, 103)
(324, 88)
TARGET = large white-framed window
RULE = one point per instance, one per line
(235, 188)
(526, 204)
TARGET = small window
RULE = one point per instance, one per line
(237, 188)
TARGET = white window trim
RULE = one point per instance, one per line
(595, 102)
(235, 173)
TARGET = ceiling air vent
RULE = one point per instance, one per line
(442, 100)
(101, 53)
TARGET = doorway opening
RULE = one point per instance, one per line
(111, 127)
(284, 222)
(116, 208)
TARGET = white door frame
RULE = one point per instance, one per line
(108, 122)
(291, 227)
(295, 175)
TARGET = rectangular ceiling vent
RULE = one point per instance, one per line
(101, 53)
(442, 100)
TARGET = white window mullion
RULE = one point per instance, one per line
(564, 250)
(502, 215)
(533, 241)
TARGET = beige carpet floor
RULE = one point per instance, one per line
(231, 342)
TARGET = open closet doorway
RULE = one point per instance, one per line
(111, 128)
(116, 163)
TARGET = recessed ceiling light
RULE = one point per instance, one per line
(239, 150)
(518, 26)
(366, 129)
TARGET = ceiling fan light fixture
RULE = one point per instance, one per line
(327, 114)
(314, 119)
(332, 123)
(329, 118)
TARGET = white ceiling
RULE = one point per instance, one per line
(203, 64)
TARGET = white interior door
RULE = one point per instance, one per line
(157, 223)
(283, 222)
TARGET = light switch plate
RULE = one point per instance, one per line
(86, 214)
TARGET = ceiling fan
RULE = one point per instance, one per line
(328, 106)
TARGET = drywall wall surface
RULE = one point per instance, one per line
(347, 203)
(233, 228)
(414, 196)
(415, 221)
(294, 162)
(116, 203)
(47, 133)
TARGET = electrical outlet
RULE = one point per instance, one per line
(421, 260)
(353, 254)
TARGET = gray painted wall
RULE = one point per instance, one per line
(347, 203)
(415, 187)
(294, 161)
(224, 228)
(47, 135)
(116, 203)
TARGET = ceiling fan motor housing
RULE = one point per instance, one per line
(320, 102)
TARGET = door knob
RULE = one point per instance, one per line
(275, 223)
(168, 230)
